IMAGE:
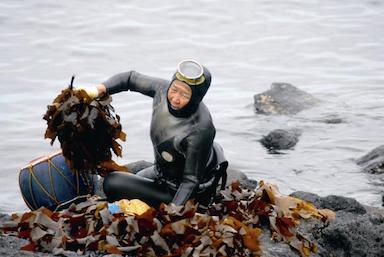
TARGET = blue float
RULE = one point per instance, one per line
(48, 181)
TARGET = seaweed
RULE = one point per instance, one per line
(87, 130)
(171, 230)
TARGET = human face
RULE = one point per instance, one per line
(179, 94)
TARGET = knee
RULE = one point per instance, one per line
(110, 185)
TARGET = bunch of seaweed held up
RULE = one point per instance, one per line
(87, 130)
(232, 226)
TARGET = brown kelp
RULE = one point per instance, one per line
(232, 226)
(87, 130)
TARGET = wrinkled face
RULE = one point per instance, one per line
(179, 94)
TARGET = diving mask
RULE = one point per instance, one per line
(190, 72)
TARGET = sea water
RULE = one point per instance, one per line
(333, 50)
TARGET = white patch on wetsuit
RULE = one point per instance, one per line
(167, 156)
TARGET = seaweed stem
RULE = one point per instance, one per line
(71, 85)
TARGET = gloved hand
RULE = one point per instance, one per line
(91, 91)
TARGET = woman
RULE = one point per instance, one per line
(188, 164)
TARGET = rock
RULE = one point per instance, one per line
(274, 249)
(234, 174)
(332, 202)
(280, 139)
(373, 162)
(352, 235)
(357, 230)
(283, 98)
(332, 119)
(337, 203)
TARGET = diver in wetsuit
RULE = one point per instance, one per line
(188, 164)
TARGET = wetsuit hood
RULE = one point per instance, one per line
(198, 93)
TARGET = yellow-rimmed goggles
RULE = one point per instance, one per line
(190, 72)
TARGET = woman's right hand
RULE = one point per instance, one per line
(93, 91)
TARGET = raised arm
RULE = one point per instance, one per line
(133, 81)
(124, 81)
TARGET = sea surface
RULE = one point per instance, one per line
(333, 50)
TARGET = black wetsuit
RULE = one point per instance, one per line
(188, 164)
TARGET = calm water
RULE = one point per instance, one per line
(331, 49)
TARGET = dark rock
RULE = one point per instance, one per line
(373, 162)
(309, 197)
(352, 235)
(357, 230)
(234, 174)
(337, 203)
(280, 139)
(283, 98)
(332, 119)
(332, 202)
(274, 249)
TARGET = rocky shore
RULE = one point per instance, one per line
(357, 231)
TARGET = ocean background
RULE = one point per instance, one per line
(333, 50)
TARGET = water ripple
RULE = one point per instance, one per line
(333, 50)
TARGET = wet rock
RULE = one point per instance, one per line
(357, 230)
(332, 202)
(354, 233)
(280, 139)
(337, 203)
(373, 162)
(309, 197)
(332, 119)
(283, 98)
(274, 249)
(235, 174)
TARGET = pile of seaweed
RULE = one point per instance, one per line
(87, 130)
(231, 227)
